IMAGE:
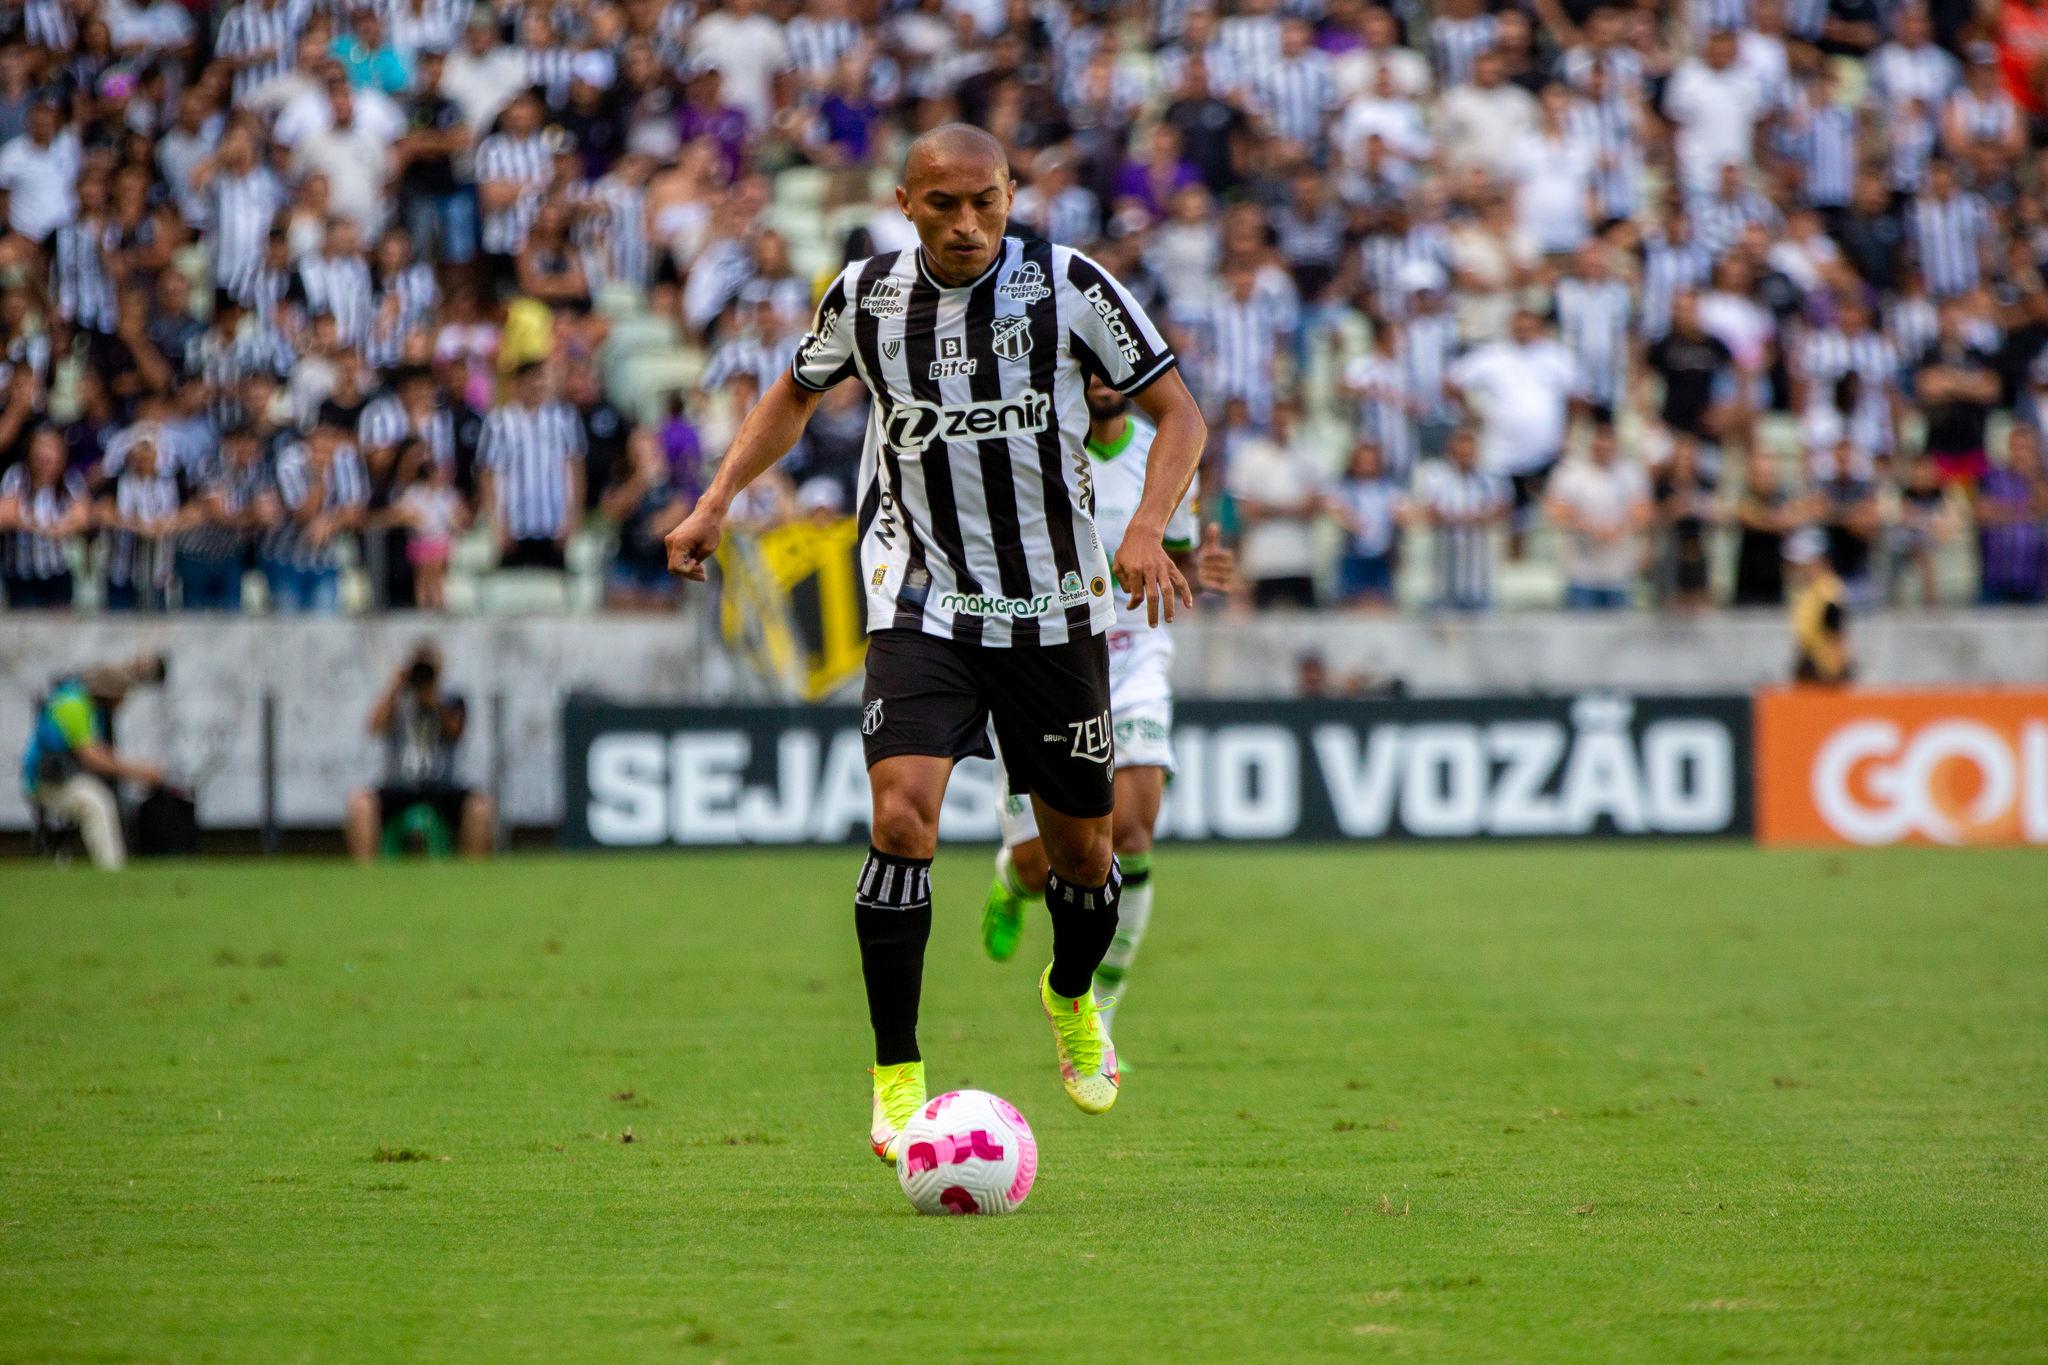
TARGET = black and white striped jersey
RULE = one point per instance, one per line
(139, 497)
(977, 505)
(1947, 235)
(530, 452)
(30, 550)
(1593, 322)
(303, 486)
(385, 423)
(78, 273)
(526, 161)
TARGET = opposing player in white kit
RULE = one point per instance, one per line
(1140, 706)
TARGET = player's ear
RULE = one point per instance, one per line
(903, 200)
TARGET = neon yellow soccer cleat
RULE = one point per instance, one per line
(899, 1093)
(1087, 1061)
(1002, 920)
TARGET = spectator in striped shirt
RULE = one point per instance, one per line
(221, 524)
(1369, 505)
(140, 515)
(318, 498)
(44, 509)
(512, 166)
(1462, 505)
(530, 466)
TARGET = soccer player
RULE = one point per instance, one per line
(986, 582)
(1140, 708)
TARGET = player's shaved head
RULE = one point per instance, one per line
(957, 190)
(951, 149)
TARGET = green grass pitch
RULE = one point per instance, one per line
(1652, 1103)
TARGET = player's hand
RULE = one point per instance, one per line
(1147, 573)
(1215, 563)
(693, 542)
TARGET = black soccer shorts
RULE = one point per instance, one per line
(1050, 705)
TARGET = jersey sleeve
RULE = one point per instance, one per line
(76, 720)
(1112, 336)
(826, 354)
(1182, 527)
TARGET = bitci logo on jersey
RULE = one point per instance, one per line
(914, 425)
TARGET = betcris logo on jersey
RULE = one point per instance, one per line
(1119, 329)
(914, 425)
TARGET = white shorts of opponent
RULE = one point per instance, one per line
(1141, 718)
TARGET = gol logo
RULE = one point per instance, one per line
(1898, 768)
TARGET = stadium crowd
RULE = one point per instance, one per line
(1620, 299)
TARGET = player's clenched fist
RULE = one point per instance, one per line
(1146, 571)
(693, 542)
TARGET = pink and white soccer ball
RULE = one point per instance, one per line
(967, 1151)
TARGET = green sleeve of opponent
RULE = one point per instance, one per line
(76, 720)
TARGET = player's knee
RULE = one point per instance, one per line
(903, 828)
(1084, 859)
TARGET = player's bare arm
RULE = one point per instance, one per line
(766, 435)
(1143, 567)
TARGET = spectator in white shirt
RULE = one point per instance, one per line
(1716, 103)
(1485, 121)
(1911, 67)
(1602, 505)
(1554, 174)
(1277, 488)
(748, 48)
(39, 169)
(355, 159)
(1380, 50)
(482, 75)
(1521, 387)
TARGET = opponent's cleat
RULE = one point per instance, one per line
(899, 1093)
(1087, 1061)
(1002, 920)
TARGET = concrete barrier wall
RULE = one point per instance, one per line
(325, 674)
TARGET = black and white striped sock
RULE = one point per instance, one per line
(892, 915)
(1083, 923)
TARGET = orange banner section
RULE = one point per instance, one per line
(1955, 768)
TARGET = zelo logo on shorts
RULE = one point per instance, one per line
(1119, 329)
(1091, 739)
(914, 425)
(986, 604)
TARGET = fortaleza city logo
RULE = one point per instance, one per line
(1119, 329)
(1026, 284)
(914, 425)
(1071, 590)
(984, 604)
(886, 300)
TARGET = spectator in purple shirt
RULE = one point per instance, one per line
(684, 450)
(1153, 182)
(705, 114)
(2012, 526)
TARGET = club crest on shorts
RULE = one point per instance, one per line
(871, 717)
(1026, 284)
(1012, 338)
(887, 299)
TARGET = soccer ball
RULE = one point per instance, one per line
(967, 1151)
